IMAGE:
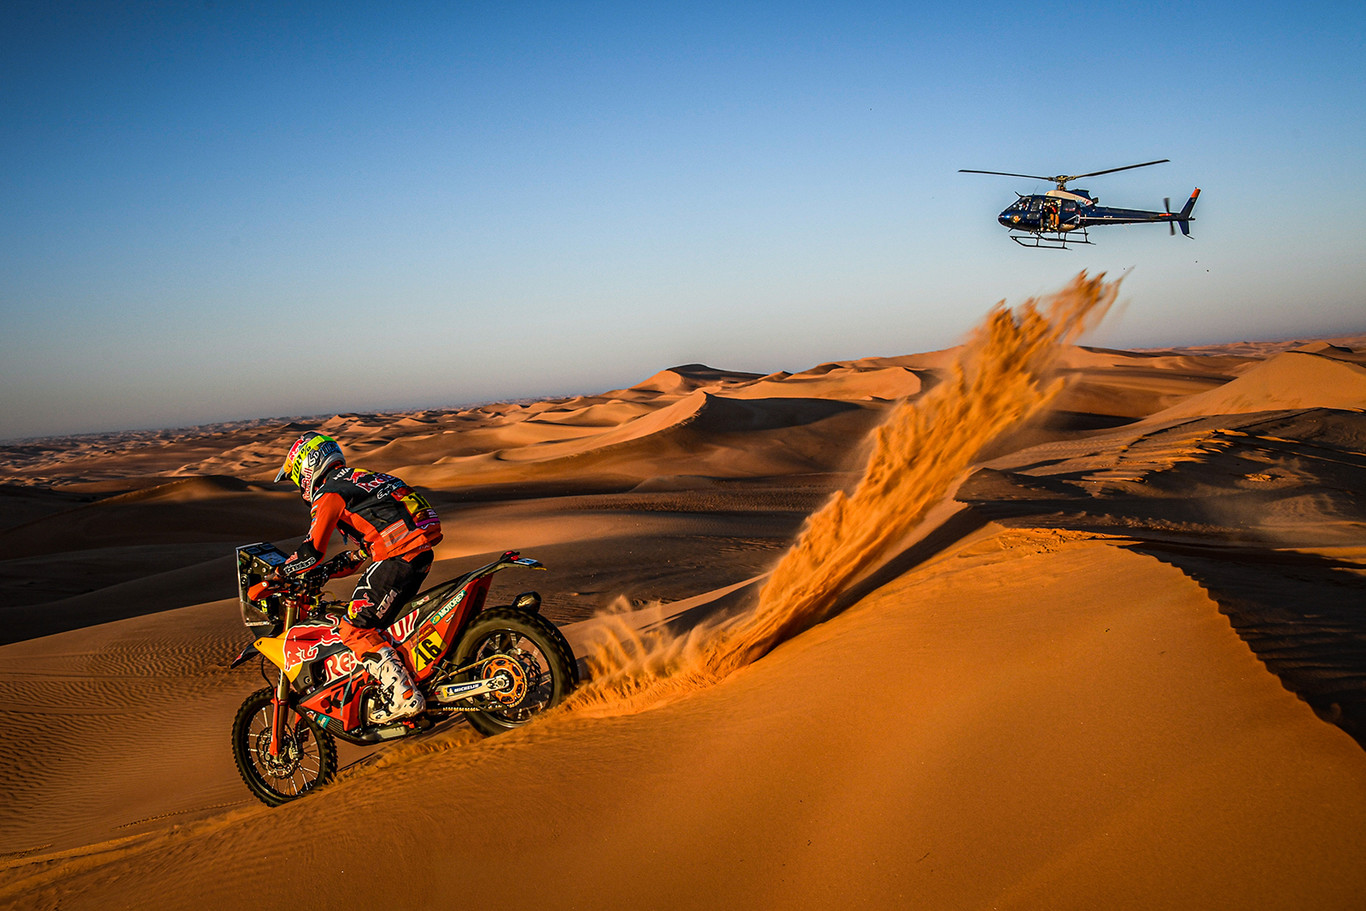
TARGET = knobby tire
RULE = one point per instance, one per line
(483, 637)
(315, 765)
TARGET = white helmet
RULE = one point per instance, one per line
(308, 460)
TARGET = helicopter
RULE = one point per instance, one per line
(1060, 217)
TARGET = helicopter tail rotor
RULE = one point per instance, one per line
(1184, 219)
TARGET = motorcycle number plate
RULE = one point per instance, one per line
(427, 651)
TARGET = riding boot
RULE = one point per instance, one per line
(399, 696)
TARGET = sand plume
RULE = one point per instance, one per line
(1001, 377)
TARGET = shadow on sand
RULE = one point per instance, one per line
(1303, 615)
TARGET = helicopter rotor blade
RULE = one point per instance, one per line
(1112, 170)
(1004, 174)
(1062, 180)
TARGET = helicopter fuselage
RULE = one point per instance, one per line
(1068, 210)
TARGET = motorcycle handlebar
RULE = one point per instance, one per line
(277, 582)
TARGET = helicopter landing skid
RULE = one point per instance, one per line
(1054, 241)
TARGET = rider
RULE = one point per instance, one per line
(395, 527)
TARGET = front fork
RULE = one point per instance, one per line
(280, 704)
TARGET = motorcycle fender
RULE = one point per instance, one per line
(247, 653)
(272, 648)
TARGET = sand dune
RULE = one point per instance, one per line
(683, 380)
(1125, 385)
(875, 384)
(1096, 646)
(1293, 379)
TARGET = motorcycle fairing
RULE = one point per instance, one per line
(424, 640)
(424, 647)
(445, 594)
(300, 645)
(336, 700)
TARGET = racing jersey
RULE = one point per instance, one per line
(378, 511)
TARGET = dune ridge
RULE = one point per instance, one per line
(1291, 379)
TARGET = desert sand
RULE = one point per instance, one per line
(1020, 624)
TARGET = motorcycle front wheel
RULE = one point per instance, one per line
(534, 658)
(306, 759)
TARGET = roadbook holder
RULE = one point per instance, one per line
(254, 562)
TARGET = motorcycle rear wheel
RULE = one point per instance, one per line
(307, 758)
(541, 659)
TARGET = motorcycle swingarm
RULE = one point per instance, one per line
(448, 693)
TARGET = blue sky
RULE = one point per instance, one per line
(224, 210)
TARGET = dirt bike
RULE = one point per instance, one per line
(496, 668)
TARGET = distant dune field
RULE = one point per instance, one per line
(1020, 624)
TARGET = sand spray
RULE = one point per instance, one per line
(1004, 374)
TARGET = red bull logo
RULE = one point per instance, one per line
(302, 643)
(339, 665)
